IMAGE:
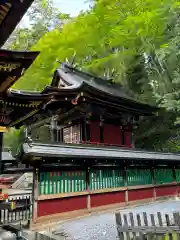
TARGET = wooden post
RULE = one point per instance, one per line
(174, 177)
(53, 130)
(61, 137)
(174, 174)
(177, 222)
(126, 185)
(83, 131)
(88, 189)
(35, 194)
(153, 182)
(101, 129)
(86, 130)
(119, 224)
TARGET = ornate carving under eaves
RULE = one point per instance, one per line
(12, 66)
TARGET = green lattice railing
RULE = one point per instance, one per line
(75, 181)
(163, 175)
(177, 171)
(138, 177)
(62, 182)
(100, 179)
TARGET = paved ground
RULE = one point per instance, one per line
(102, 226)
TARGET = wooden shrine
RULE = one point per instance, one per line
(79, 136)
(83, 153)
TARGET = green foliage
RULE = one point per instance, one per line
(13, 139)
(157, 133)
(109, 35)
(43, 17)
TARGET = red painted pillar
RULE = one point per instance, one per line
(127, 139)
(94, 132)
(35, 195)
(127, 136)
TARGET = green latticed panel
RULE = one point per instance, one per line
(177, 171)
(138, 177)
(100, 179)
(62, 182)
(163, 175)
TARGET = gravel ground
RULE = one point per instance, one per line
(102, 226)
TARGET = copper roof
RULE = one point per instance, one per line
(96, 89)
(79, 151)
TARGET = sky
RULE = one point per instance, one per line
(73, 7)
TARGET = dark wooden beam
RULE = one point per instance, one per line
(14, 16)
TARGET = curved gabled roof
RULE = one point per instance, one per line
(97, 89)
(78, 78)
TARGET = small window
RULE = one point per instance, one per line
(72, 134)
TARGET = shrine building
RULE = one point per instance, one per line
(78, 136)
(81, 147)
